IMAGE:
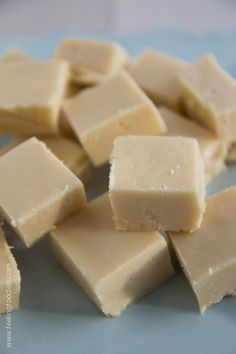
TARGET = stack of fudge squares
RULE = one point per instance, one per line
(166, 126)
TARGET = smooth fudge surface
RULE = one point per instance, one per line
(157, 182)
(31, 92)
(213, 150)
(114, 268)
(66, 150)
(10, 280)
(209, 96)
(111, 109)
(208, 256)
(37, 190)
(156, 73)
(91, 61)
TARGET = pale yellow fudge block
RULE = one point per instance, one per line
(231, 156)
(30, 94)
(115, 107)
(157, 183)
(13, 54)
(209, 96)
(10, 279)
(37, 190)
(156, 74)
(91, 61)
(71, 153)
(207, 256)
(213, 150)
(114, 268)
(13, 125)
(66, 150)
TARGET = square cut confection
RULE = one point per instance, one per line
(156, 74)
(157, 182)
(91, 61)
(113, 108)
(16, 55)
(209, 96)
(30, 96)
(37, 190)
(114, 268)
(10, 279)
(66, 150)
(71, 154)
(208, 256)
(213, 150)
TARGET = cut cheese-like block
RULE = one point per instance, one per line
(68, 151)
(209, 96)
(115, 107)
(30, 94)
(91, 61)
(114, 268)
(208, 256)
(156, 74)
(213, 150)
(37, 190)
(157, 182)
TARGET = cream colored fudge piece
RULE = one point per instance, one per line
(213, 150)
(115, 107)
(114, 268)
(157, 182)
(66, 150)
(156, 74)
(13, 54)
(10, 279)
(208, 256)
(30, 94)
(209, 96)
(37, 190)
(71, 153)
(91, 61)
(13, 125)
(231, 156)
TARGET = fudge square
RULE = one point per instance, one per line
(91, 61)
(209, 96)
(114, 268)
(115, 107)
(208, 256)
(66, 150)
(30, 94)
(157, 182)
(10, 279)
(213, 150)
(156, 74)
(36, 190)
